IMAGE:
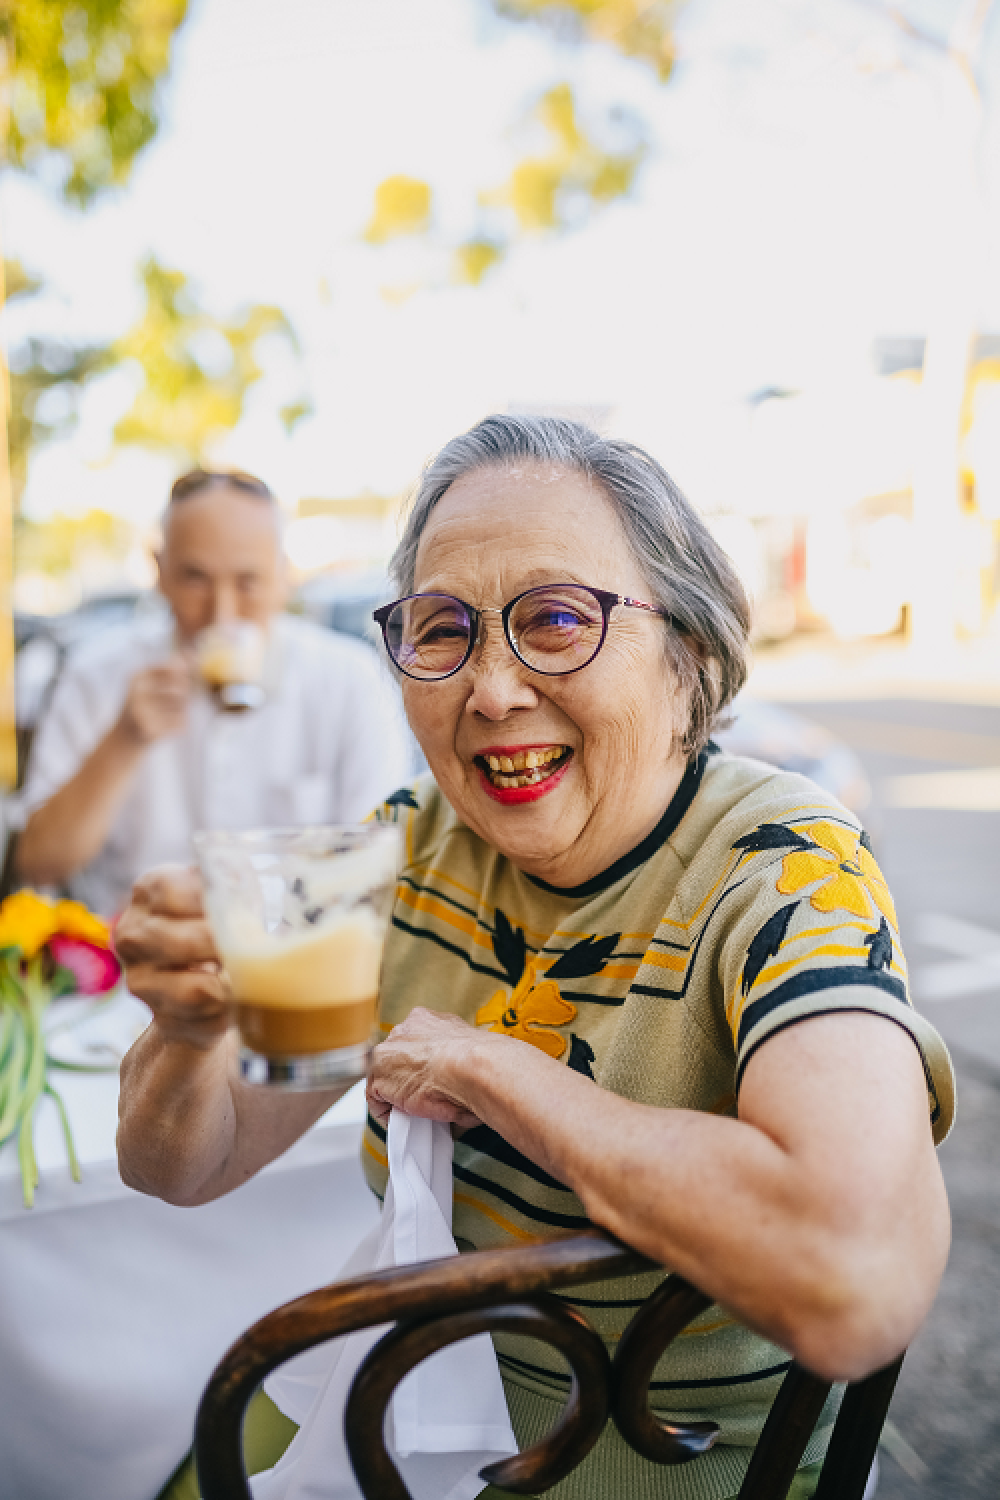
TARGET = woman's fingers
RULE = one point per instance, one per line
(413, 1069)
(164, 923)
(171, 890)
(168, 942)
(170, 958)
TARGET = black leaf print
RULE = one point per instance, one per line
(879, 945)
(510, 947)
(766, 944)
(586, 957)
(772, 836)
(581, 1055)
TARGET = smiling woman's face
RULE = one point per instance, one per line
(603, 739)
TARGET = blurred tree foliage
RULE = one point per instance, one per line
(82, 81)
(195, 371)
(637, 28)
(55, 546)
(540, 188)
(46, 377)
(402, 206)
(577, 176)
(196, 368)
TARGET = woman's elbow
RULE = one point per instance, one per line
(858, 1316)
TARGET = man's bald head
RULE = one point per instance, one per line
(221, 555)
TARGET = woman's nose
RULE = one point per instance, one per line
(499, 681)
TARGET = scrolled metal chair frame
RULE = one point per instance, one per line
(437, 1303)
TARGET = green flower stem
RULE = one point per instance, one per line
(26, 1156)
(74, 1160)
(11, 1106)
(38, 996)
(24, 1063)
(6, 1037)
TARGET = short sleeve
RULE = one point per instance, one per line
(75, 721)
(812, 930)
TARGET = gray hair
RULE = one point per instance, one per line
(688, 573)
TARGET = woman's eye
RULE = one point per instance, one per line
(439, 635)
(442, 633)
(554, 618)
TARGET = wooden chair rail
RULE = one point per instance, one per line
(441, 1302)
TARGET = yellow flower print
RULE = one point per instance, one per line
(27, 921)
(851, 878)
(528, 1013)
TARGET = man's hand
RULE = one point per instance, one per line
(156, 702)
(170, 958)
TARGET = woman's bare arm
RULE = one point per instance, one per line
(188, 1129)
(818, 1217)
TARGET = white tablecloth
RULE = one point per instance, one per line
(115, 1308)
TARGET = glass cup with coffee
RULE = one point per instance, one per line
(299, 917)
(230, 658)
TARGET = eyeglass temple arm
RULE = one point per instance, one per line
(653, 609)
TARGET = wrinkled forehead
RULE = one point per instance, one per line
(503, 528)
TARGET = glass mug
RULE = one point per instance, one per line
(230, 659)
(299, 916)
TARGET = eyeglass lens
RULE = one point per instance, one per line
(555, 629)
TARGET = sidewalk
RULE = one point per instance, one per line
(811, 667)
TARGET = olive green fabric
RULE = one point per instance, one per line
(803, 1487)
(267, 1432)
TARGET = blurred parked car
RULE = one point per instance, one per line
(777, 735)
(345, 601)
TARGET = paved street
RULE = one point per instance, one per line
(943, 865)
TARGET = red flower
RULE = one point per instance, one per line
(94, 969)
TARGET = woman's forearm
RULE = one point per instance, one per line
(835, 1261)
(176, 1118)
(69, 830)
(189, 1131)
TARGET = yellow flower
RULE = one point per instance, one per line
(77, 922)
(851, 878)
(529, 1012)
(27, 921)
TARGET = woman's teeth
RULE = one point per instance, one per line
(524, 768)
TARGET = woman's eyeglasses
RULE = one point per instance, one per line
(554, 630)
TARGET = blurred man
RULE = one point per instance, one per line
(134, 755)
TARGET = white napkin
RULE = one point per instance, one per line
(448, 1418)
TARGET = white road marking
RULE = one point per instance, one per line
(974, 966)
(974, 790)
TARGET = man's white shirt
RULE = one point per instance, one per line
(327, 746)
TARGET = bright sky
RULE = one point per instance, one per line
(805, 192)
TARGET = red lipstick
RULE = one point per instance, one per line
(513, 795)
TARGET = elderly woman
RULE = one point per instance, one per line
(651, 986)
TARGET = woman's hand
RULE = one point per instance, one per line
(170, 958)
(419, 1068)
